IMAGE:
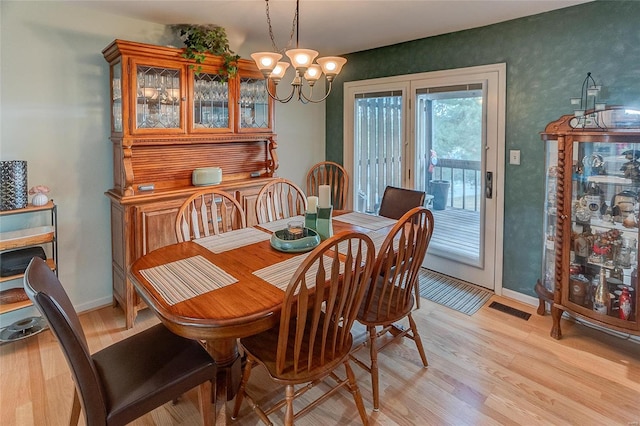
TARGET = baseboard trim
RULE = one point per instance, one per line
(520, 297)
(94, 304)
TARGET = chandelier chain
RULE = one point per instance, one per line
(294, 25)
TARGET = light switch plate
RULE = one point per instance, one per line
(514, 156)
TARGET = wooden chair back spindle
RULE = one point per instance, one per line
(333, 174)
(208, 212)
(280, 199)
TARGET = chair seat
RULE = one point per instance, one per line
(263, 347)
(376, 313)
(146, 378)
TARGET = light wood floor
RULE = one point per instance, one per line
(489, 368)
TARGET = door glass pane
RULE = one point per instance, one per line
(210, 102)
(449, 147)
(158, 104)
(378, 144)
(254, 104)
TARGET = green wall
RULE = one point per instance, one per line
(547, 57)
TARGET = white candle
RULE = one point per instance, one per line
(324, 196)
(312, 204)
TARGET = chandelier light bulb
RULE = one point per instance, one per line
(266, 61)
(331, 65)
(301, 59)
(278, 71)
(313, 74)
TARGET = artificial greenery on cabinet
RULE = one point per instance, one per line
(202, 39)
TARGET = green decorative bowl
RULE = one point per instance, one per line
(280, 242)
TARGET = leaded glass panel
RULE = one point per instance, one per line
(210, 102)
(158, 102)
(254, 104)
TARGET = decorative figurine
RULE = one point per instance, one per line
(39, 193)
(631, 169)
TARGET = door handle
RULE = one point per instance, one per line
(488, 185)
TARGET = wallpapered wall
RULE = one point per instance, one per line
(547, 57)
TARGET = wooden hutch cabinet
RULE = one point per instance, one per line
(169, 117)
(590, 259)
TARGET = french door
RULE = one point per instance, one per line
(443, 133)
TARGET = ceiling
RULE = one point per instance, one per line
(332, 27)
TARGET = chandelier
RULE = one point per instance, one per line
(302, 60)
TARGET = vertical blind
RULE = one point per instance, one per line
(378, 146)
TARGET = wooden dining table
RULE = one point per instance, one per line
(221, 288)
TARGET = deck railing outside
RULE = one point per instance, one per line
(463, 177)
(465, 182)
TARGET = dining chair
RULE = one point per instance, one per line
(207, 212)
(313, 338)
(395, 203)
(280, 199)
(333, 174)
(130, 378)
(389, 297)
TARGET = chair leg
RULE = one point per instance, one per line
(75, 409)
(205, 392)
(355, 390)
(288, 414)
(416, 338)
(243, 385)
(242, 394)
(373, 350)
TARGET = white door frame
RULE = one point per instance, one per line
(495, 130)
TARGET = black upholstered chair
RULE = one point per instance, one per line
(130, 378)
(397, 201)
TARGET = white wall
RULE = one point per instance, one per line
(54, 114)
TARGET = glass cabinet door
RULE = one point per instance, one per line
(116, 97)
(550, 216)
(158, 98)
(210, 109)
(254, 105)
(604, 228)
